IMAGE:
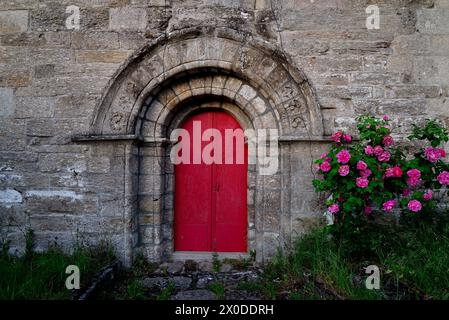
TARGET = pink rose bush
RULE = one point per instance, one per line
(375, 175)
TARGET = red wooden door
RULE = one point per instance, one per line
(210, 199)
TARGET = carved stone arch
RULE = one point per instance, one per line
(160, 108)
(189, 51)
(183, 72)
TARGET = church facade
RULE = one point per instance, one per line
(93, 92)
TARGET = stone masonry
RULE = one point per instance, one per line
(86, 110)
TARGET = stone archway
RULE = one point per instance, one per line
(165, 82)
(257, 62)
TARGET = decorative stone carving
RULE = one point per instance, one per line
(254, 62)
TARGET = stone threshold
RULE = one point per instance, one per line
(207, 256)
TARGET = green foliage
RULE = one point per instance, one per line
(251, 286)
(316, 258)
(29, 244)
(141, 266)
(218, 288)
(42, 275)
(413, 263)
(216, 263)
(252, 255)
(434, 132)
(135, 291)
(166, 292)
(238, 264)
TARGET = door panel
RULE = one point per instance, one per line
(193, 198)
(211, 200)
(231, 186)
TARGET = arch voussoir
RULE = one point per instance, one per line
(209, 58)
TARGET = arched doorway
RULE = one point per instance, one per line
(210, 201)
(187, 71)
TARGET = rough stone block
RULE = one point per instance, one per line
(95, 40)
(44, 71)
(72, 106)
(62, 162)
(15, 79)
(99, 164)
(34, 107)
(24, 39)
(50, 17)
(127, 18)
(12, 134)
(433, 21)
(6, 102)
(109, 56)
(13, 21)
(9, 197)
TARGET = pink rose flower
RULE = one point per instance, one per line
(361, 165)
(337, 136)
(347, 138)
(442, 153)
(414, 173)
(388, 141)
(344, 170)
(378, 150)
(369, 150)
(428, 195)
(397, 172)
(389, 173)
(384, 156)
(365, 173)
(414, 177)
(386, 118)
(414, 205)
(325, 166)
(324, 156)
(406, 192)
(413, 182)
(433, 155)
(443, 178)
(362, 182)
(343, 157)
(394, 172)
(389, 205)
(335, 208)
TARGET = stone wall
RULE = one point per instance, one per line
(54, 80)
